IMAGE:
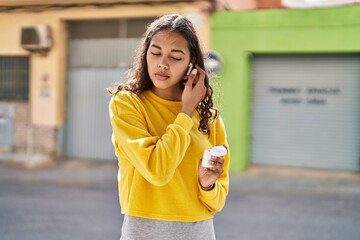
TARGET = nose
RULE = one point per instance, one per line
(163, 66)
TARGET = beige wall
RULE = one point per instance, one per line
(49, 110)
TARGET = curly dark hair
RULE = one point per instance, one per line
(139, 79)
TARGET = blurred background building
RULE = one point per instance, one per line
(291, 84)
(289, 81)
(57, 58)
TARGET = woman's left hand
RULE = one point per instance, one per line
(194, 90)
(208, 176)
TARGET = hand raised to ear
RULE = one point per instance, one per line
(194, 91)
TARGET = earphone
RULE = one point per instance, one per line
(190, 68)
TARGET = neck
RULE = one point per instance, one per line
(173, 94)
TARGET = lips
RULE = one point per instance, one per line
(161, 76)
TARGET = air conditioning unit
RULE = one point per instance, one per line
(35, 37)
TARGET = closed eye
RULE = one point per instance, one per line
(177, 59)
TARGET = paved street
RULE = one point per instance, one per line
(77, 199)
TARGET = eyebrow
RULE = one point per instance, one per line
(172, 50)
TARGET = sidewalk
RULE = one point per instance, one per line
(77, 199)
(275, 203)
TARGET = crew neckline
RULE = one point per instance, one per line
(152, 95)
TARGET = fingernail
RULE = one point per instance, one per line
(194, 71)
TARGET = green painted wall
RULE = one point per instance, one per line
(237, 35)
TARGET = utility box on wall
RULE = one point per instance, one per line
(7, 117)
(36, 37)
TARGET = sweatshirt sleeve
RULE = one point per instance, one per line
(215, 199)
(154, 157)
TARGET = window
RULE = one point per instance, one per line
(14, 78)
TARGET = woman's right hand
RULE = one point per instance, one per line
(194, 91)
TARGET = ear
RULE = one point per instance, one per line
(193, 60)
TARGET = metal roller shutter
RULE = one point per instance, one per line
(306, 111)
(94, 64)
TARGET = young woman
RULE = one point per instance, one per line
(163, 119)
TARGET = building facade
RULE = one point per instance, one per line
(290, 86)
(52, 98)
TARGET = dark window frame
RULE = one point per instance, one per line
(14, 78)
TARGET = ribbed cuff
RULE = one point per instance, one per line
(209, 195)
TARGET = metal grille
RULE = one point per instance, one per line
(14, 78)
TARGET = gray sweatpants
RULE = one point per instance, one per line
(136, 228)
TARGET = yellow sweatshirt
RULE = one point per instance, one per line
(159, 149)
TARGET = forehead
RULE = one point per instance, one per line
(170, 40)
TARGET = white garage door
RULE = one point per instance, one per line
(100, 53)
(306, 111)
(93, 66)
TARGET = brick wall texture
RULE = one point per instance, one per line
(27, 137)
